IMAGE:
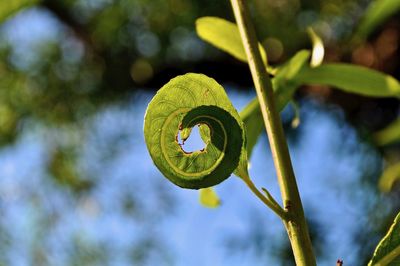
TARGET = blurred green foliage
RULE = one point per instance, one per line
(8, 8)
(375, 15)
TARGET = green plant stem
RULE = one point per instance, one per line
(267, 200)
(296, 225)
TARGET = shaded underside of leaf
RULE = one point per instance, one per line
(388, 250)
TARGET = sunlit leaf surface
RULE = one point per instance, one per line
(318, 50)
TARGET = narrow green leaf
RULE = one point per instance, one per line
(284, 86)
(10, 7)
(318, 50)
(209, 198)
(389, 134)
(377, 12)
(224, 35)
(388, 250)
(351, 78)
(390, 175)
(186, 101)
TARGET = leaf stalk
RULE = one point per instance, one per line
(267, 200)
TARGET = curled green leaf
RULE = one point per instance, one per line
(181, 104)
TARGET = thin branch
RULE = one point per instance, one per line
(296, 227)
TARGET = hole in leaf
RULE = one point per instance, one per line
(193, 142)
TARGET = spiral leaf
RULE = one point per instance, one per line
(181, 104)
